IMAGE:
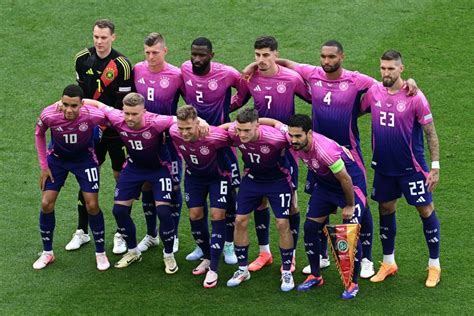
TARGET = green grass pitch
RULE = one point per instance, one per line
(39, 41)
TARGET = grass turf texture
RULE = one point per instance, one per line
(39, 41)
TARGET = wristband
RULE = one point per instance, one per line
(435, 165)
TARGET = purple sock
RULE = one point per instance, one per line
(366, 233)
(324, 240)
(358, 258)
(242, 254)
(295, 227)
(217, 242)
(286, 258)
(125, 224)
(200, 233)
(262, 223)
(177, 205)
(166, 226)
(97, 225)
(47, 222)
(148, 203)
(388, 231)
(230, 218)
(431, 231)
(312, 245)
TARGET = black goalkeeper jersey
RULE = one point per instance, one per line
(107, 80)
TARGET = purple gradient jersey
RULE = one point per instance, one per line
(336, 103)
(274, 97)
(397, 133)
(324, 153)
(143, 145)
(161, 90)
(264, 159)
(211, 94)
(70, 140)
(203, 157)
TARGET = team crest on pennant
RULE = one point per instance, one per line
(146, 135)
(343, 86)
(264, 149)
(204, 150)
(281, 87)
(401, 106)
(343, 241)
(164, 82)
(83, 127)
(212, 84)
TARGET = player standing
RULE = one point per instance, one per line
(267, 174)
(273, 89)
(105, 75)
(71, 150)
(398, 124)
(208, 88)
(206, 174)
(160, 83)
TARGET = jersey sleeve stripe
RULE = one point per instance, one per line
(83, 52)
(125, 66)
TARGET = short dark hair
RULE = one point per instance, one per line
(247, 115)
(154, 38)
(73, 91)
(266, 42)
(334, 43)
(133, 99)
(202, 41)
(105, 24)
(392, 55)
(301, 120)
(186, 112)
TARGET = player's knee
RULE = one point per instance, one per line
(425, 210)
(196, 213)
(282, 225)
(217, 214)
(47, 206)
(386, 209)
(241, 222)
(92, 207)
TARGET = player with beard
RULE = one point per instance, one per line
(336, 96)
(208, 88)
(398, 124)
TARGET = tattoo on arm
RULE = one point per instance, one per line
(432, 139)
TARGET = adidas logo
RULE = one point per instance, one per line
(257, 88)
(95, 187)
(189, 83)
(366, 243)
(142, 81)
(378, 104)
(310, 252)
(215, 246)
(241, 257)
(199, 241)
(222, 200)
(433, 240)
(167, 196)
(90, 71)
(261, 226)
(383, 236)
(287, 212)
(59, 129)
(420, 200)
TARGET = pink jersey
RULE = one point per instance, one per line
(161, 90)
(204, 156)
(211, 94)
(144, 145)
(397, 134)
(274, 97)
(70, 140)
(324, 152)
(336, 103)
(265, 158)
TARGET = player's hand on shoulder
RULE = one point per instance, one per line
(248, 71)
(412, 87)
(203, 127)
(45, 174)
(432, 180)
